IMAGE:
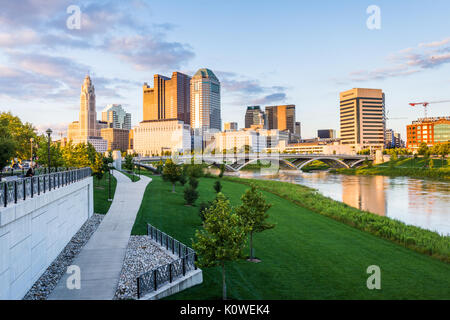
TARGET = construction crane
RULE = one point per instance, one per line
(426, 104)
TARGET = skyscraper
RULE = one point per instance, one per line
(254, 116)
(87, 128)
(230, 126)
(281, 118)
(362, 116)
(168, 99)
(116, 117)
(205, 101)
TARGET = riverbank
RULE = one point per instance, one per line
(414, 168)
(306, 256)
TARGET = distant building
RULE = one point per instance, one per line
(281, 118)
(87, 128)
(254, 116)
(230, 126)
(326, 134)
(168, 99)
(205, 101)
(318, 147)
(116, 117)
(152, 137)
(362, 118)
(240, 140)
(298, 130)
(399, 143)
(389, 139)
(429, 130)
(118, 139)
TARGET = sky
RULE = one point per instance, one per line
(263, 52)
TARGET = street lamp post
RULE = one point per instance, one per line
(31, 154)
(49, 132)
(109, 186)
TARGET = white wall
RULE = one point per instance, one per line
(33, 232)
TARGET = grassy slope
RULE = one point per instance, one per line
(416, 168)
(101, 203)
(307, 255)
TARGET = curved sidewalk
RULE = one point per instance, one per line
(102, 257)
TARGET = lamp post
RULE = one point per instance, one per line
(49, 132)
(109, 186)
(31, 154)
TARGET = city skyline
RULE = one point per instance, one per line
(49, 59)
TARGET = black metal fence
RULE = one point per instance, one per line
(23, 188)
(156, 278)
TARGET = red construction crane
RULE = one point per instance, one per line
(426, 104)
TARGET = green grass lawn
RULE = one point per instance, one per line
(306, 256)
(101, 190)
(135, 178)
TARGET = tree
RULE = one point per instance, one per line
(171, 172)
(222, 239)
(190, 195)
(128, 162)
(21, 133)
(423, 149)
(217, 186)
(7, 145)
(193, 182)
(253, 212)
(431, 164)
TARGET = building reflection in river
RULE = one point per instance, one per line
(368, 196)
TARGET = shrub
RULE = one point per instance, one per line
(203, 207)
(190, 195)
(193, 183)
(217, 186)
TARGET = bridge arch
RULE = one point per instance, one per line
(286, 162)
(332, 162)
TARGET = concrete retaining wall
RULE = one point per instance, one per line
(33, 232)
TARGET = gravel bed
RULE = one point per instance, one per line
(142, 255)
(49, 279)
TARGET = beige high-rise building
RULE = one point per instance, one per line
(87, 128)
(362, 118)
(168, 99)
(118, 139)
(205, 101)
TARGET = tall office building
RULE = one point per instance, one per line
(116, 117)
(205, 101)
(87, 128)
(281, 118)
(362, 118)
(168, 99)
(254, 116)
(298, 130)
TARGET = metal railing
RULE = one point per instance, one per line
(156, 278)
(23, 188)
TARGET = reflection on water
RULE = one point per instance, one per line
(423, 203)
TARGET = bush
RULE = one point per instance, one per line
(217, 186)
(193, 183)
(190, 195)
(203, 207)
(182, 179)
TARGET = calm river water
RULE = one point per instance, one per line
(423, 203)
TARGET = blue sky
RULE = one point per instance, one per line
(264, 52)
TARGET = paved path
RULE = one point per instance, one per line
(102, 257)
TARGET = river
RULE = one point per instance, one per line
(419, 202)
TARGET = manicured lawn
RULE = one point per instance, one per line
(306, 256)
(101, 190)
(132, 178)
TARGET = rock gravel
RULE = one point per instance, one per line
(142, 255)
(49, 279)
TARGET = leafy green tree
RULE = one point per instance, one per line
(128, 162)
(171, 172)
(7, 145)
(21, 133)
(423, 149)
(222, 239)
(190, 195)
(217, 186)
(56, 153)
(193, 182)
(253, 212)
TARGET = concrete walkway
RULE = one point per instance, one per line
(101, 259)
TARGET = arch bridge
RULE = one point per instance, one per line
(236, 162)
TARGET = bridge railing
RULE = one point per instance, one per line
(23, 188)
(156, 278)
